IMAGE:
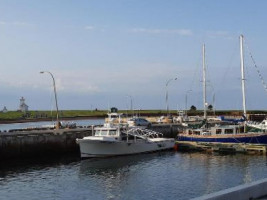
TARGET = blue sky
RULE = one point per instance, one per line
(103, 51)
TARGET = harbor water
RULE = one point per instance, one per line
(162, 175)
(157, 176)
(88, 122)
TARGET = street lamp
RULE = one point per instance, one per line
(186, 99)
(55, 92)
(167, 103)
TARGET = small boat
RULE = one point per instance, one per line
(116, 139)
(262, 126)
(237, 133)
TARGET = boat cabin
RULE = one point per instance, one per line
(217, 130)
(198, 132)
(228, 129)
(114, 118)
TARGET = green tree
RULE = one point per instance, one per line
(210, 107)
(193, 108)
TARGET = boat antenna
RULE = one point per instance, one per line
(243, 75)
(204, 83)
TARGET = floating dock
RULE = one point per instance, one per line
(221, 147)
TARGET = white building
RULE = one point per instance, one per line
(23, 107)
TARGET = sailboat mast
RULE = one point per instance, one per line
(204, 83)
(243, 75)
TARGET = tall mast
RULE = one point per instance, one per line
(204, 83)
(243, 75)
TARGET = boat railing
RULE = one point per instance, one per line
(144, 133)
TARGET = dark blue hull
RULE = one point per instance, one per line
(239, 138)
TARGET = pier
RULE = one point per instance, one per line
(35, 143)
(221, 147)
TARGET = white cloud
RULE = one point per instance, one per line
(219, 34)
(182, 32)
(18, 23)
(15, 23)
(139, 78)
(90, 28)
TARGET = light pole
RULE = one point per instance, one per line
(186, 99)
(167, 103)
(55, 92)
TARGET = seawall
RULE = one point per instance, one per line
(37, 143)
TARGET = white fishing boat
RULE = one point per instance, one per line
(115, 140)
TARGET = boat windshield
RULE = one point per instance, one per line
(112, 132)
(105, 133)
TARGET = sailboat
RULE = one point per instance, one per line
(224, 133)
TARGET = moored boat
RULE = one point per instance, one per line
(262, 126)
(115, 140)
(237, 133)
(223, 134)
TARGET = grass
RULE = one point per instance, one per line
(16, 115)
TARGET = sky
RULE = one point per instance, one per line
(107, 53)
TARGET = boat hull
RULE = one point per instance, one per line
(91, 148)
(249, 138)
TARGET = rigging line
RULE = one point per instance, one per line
(210, 83)
(229, 68)
(257, 69)
(197, 69)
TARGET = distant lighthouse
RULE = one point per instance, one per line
(23, 107)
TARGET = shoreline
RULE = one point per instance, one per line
(13, 121)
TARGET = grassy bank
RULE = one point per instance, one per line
(44, 115)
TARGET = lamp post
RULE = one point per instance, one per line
(167, 103)
(55, 92)
(186, 99)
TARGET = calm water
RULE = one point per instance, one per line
(165, 175)
(39, 124)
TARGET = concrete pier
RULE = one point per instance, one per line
(36, 143)
(168, 130)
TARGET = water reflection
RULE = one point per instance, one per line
(117, 177)
(215, 172)
(162, 175)
(101, 166)
(12, 168)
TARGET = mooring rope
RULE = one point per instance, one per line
(257, 69)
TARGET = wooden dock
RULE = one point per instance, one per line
(221, 147)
